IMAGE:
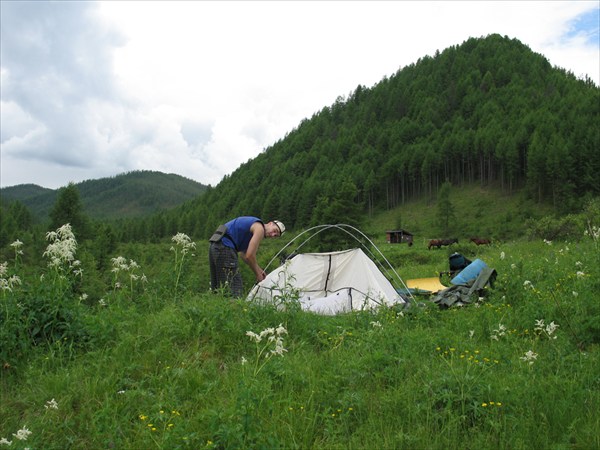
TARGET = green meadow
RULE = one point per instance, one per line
(142, 356)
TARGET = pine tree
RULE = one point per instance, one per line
(69, 209)
(445, 211)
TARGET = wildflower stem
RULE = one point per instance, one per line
(571, 330)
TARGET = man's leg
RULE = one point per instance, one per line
(225, 269)
(212, 257)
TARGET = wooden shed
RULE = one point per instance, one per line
(399, 237)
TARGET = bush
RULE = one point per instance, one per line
(553, 228)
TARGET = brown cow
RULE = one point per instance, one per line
(439, 243)
(481, 241)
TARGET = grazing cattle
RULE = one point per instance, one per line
(480, 241)
(439, 243)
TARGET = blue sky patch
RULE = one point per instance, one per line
(587, 24)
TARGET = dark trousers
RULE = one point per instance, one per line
(224, 269)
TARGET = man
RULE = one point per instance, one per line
(241, 235)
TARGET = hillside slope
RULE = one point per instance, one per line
(488, 112)
(132, 194)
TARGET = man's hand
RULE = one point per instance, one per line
(261, 276)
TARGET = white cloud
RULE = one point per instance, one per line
(197, 88)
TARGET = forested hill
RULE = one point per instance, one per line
(488, 111)
(132, 194)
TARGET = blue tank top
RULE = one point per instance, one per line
(238, 232)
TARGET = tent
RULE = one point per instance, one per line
(328, 283)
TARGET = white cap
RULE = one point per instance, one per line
(280, 225)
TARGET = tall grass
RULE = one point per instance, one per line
(164, 365)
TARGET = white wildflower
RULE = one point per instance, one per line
(119, 263)
(5, 441)
(274, 342)
(529, 357)
(184, 241)
(51, 404)
(575, 293)
(102, 302)
(513, 266)
(502, 255)
(278, 347)
(10, 283)
(471, 333)
(547, 242)
(539, 325)
(244, 361)
(280, 330)
(62, 247)
(17, 246)
(499, 332)
(528, 285)
(580, 274)
(376, 324)
(579, 264)
(593, 232)
(267, 332)
(550, 329)
(22, 434)
(255, 337)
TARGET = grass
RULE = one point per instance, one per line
(161, 363)
(480, 212)
(166, 365)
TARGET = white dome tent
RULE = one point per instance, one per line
(330, 283)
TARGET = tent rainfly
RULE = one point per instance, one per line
(328, 283)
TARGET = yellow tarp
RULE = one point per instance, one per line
(427, 284)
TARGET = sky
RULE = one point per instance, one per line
(197, 88)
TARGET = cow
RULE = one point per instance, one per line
(481, 241)
(439, 243)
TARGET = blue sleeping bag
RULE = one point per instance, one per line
(469, 273)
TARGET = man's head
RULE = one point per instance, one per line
(275, 228)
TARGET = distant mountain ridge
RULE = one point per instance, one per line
(128, 195)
